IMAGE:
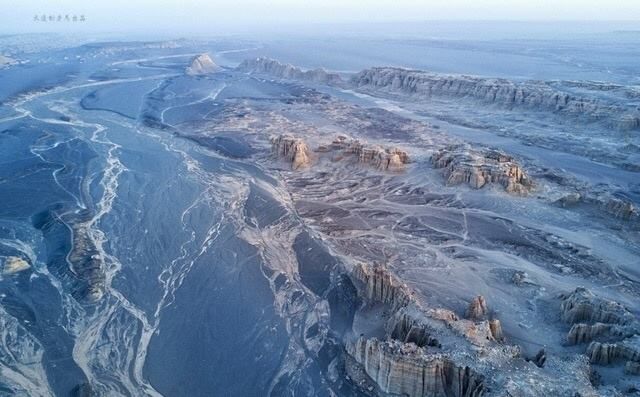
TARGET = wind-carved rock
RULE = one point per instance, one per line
(537, 95)
(496, 330)
(409, 329)
(476, 168)
(383, 159)
(607, 353)
(379, 285)
(583, 333)
(408, 370)
(478, 309)
(596, 318)
(274, 68)
(201, 65)
(619, 208)
(293, 150)
(583, 306)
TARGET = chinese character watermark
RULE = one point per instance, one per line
(59, 18)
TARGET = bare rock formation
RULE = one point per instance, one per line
(409, 329)
(274, 68)
(201, 65)
(406, 369)
(293, 150)
(536, 95)
(540, 358)
(607, 353)
(14, 264)
(583, 333)
(478, 309)
(378, 285)
(620, 208)
(583, 306)
(475, 168)
(383, 159)
(614, 332)
(496, 330)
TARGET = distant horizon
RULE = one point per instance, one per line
(218, 17)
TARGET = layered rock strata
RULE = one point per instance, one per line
(379, 285)
(607, 353)
(274, 68)
(534, 95)
(478, 309)
(293, 150)
(612, 330)
(406, 369)
(461, 164)
(296, 151)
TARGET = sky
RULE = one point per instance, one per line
(235, 16)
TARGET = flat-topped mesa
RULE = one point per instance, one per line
(379, 285)
(272, 67)
(293, 150)
(538, 95)
(405, 369)
(383, 159)
(479, 168)
(201, 65)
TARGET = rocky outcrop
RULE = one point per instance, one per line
(496, 330)
(540, 358)
(582, 306)
(14, 264)
(201, 65)
(622, 209)
(405, 369)
(607, 353)
(583, 333)
(612, 330)
(274, 68)
(461, 164)
(384, 159)
(409, 329)
(379, 285)
(478, 309)
(535, 95)
(293, 150)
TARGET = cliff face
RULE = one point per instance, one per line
(202, 64)
(614, 332)
(408, 329)
(461, 164)
(293, 150)
(583, 306)
(285, 71)
(607, 353)
(380, 286)
(532, 94)
(408, 370)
